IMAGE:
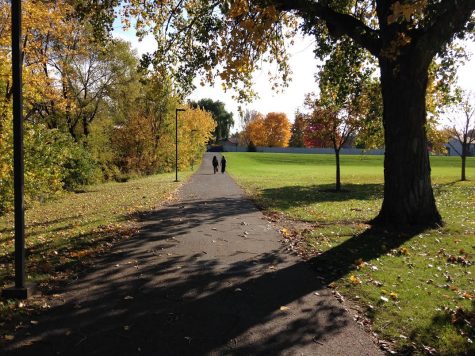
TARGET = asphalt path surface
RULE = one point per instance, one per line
(206, 275)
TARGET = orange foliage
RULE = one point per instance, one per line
(277, 128)
(255, 131)
(271, 131)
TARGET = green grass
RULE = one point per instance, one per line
(430, 273)
(63, 235)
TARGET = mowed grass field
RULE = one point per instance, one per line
(416, 287)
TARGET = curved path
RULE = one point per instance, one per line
(207, 275)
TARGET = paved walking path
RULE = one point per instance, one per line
(207, 275)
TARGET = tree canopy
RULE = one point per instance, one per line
(92, 113)
(224, 119)
(229, 38)
(272, 130)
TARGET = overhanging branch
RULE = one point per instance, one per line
(451, 19)
(338, 24)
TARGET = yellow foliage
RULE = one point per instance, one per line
(51, 37)
(405, 12)
(255, 131)
(196, 128)
(277, 129)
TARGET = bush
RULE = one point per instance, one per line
(251, 147)
(53, 162)
(79, 168)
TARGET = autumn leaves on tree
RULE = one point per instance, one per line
(273, 130)
(92, 112)
(229, 40)
(403, 37)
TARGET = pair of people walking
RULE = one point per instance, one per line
(216, 164)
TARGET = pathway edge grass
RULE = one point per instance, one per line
(417, 288)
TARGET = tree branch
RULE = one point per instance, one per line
(338, 24)
(451, 19)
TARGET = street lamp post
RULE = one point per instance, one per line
(176, 143)
(19, 291)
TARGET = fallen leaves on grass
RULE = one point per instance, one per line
(359, 263)
(355, 280)
(463, 260)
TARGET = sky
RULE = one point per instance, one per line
(303, 65)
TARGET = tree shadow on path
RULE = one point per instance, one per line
(143, 299)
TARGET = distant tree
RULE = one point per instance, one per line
(247, 115)
(462, 129)
(313, 134)
(224, 119)
(90, 80)
(277, 129)
(337, 114)
(371, 133)
(251, 147)
(273, 130)
(297, 131)
(331, 125)
(255, 130)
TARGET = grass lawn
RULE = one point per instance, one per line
(64, 234)
(416, 287)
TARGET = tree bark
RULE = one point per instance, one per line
(85, 126)
(338, 182)
(408, 194)
(464, 155)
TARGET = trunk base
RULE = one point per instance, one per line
(404, 222)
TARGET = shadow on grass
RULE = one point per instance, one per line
(291, 196)
(463, 323)
(138, 297)
(374, 242)
(31, 225)
(73, 255)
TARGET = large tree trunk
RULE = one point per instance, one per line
(408, 195)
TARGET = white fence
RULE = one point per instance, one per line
(344, 151)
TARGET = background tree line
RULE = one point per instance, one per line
(92, 112)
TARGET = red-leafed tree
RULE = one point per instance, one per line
(331, 127)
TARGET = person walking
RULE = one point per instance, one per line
(223, 164)
(215, 164)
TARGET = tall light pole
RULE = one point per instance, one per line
(176, 143)
(19, 291)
